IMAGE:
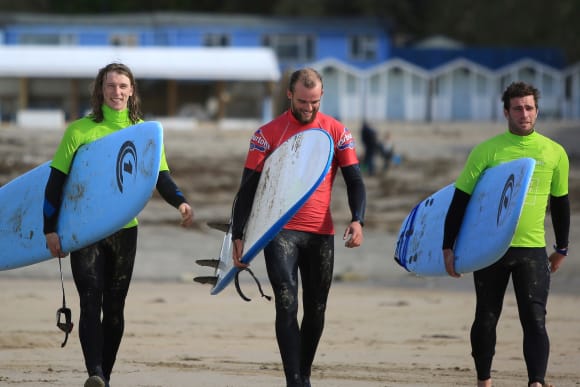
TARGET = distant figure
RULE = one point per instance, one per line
(387, 150)
(371, 144)
(373, 147)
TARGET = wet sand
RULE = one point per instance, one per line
(385, 327)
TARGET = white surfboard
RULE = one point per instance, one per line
(487, 229)
(290, 175)
(110, 181)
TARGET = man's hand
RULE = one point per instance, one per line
(53, 245)
(449, 259)
(186, 214)
(353, 235)
(238, 250)
(556, 259)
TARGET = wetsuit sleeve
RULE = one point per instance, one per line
(52, 199)
(356, 192)
(243, 202)
(169, 190)
(454, 217)
(560, 210)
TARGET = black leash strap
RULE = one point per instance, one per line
(67, 325)
(239, 289)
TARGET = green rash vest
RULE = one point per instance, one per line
(84, 131)
(550, 177)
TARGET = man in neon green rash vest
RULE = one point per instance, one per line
(102, 271)
(526, 260)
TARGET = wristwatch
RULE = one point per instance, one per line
(562, 250)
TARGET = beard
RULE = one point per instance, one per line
(303, 118)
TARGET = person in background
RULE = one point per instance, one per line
(306, 243)
(371, 144)
(102, 271)
(387, 150)
(526, 260)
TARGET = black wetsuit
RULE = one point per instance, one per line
(102, 273)
(311, 254)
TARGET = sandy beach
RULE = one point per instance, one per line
(384, 326)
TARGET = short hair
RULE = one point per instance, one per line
(518, 90)
(97, 98)
(307, 76)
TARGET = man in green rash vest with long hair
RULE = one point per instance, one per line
(102, 271)
(526, 260)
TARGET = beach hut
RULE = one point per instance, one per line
(343, 89)
(546, 78)
(462, 90)
(396, 90)
(571, 104)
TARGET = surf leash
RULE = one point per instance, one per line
(239, 289)
(67, 325)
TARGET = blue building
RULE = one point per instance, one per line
(230, 66)
(169, 91)
(360, 42)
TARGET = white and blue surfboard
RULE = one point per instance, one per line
(289, 177)
(487, 229)
(110, 182)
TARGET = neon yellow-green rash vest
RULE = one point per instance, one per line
(84, 131)
(550, 177)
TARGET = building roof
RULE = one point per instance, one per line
(491, 57)
(191, 63)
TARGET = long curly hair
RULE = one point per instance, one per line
(97, 98)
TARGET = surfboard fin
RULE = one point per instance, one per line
(212, 280)
(208, 262)
(219, 226)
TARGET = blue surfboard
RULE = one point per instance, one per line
(289, 177)
(110, 181)
(487, 229)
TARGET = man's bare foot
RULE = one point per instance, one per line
(484, 383)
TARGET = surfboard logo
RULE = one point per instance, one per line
(505, 199)
(126, 162)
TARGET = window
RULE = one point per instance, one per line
(548, 85)
(568, 87)
(481, 84)
(416, 85)
(351, 84)
(123, 40)
(363, 47)
(47, 38)
(299, 48)
(216, 40)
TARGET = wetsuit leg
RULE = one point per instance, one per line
(531, 279)
(316, 265)
(119, 272)
(490, 286)
(87, 266)
(102, 271)
(281, 256)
